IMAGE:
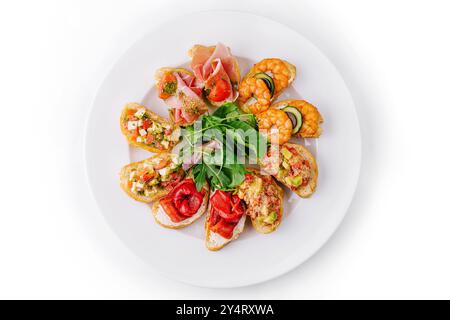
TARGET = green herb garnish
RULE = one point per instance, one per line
(236, 142)
(170, 87)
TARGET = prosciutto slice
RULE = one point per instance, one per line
(219, 72)
(213, 63)
(187, 104)
(192, 82)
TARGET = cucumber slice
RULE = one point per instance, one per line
(295, 116)
(268, 81)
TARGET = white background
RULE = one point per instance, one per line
(395, 240)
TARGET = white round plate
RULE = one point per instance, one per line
(307, 224)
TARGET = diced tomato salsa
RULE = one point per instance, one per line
(142, 129)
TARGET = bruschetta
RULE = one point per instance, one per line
(225, 220)
(150, 179)
(182, 206)
(305, 117)
(264, 201)
(147, 130)
(179, 89)
(218, 71)
(294, 166)
(265, 81)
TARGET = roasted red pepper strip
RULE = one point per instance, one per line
(183, 201)
(226, 211)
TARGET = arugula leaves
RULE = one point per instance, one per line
(230, 140)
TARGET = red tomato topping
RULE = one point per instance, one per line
(147, 176)
(293, 151)
(162, 164)
(220, 91)
(146, 124)
(150, 138)
(305, 182)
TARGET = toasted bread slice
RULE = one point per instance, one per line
(191, 102)
(244, 105)
(126, 176)
(254, 194)
(215, 241)
(291, 68)
(164, 220)
(311, 117)
(134, 107)
(234, 78)
(161, 71)
(312, 173)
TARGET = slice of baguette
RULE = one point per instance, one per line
(124, 176)
(161, 71)
(292, 74)
(211, 49)
(309, 189)
(196, 47)
(198, 106)
(153, 117)
(309, 113)
(215, 241)
(262, 227)
(164, 220)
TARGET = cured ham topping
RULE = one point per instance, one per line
(216, 68)
(182, 92)
(225, 212)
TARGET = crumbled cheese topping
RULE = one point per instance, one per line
(140, 113)
(132, 125)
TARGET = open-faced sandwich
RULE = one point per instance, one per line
(152, 178)
(263, 83)
(225, 220)
(264, 201)
(180, 91)
(305, 117)
(181, 206)
(218, 72)
(294, 166)
(147, 130)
